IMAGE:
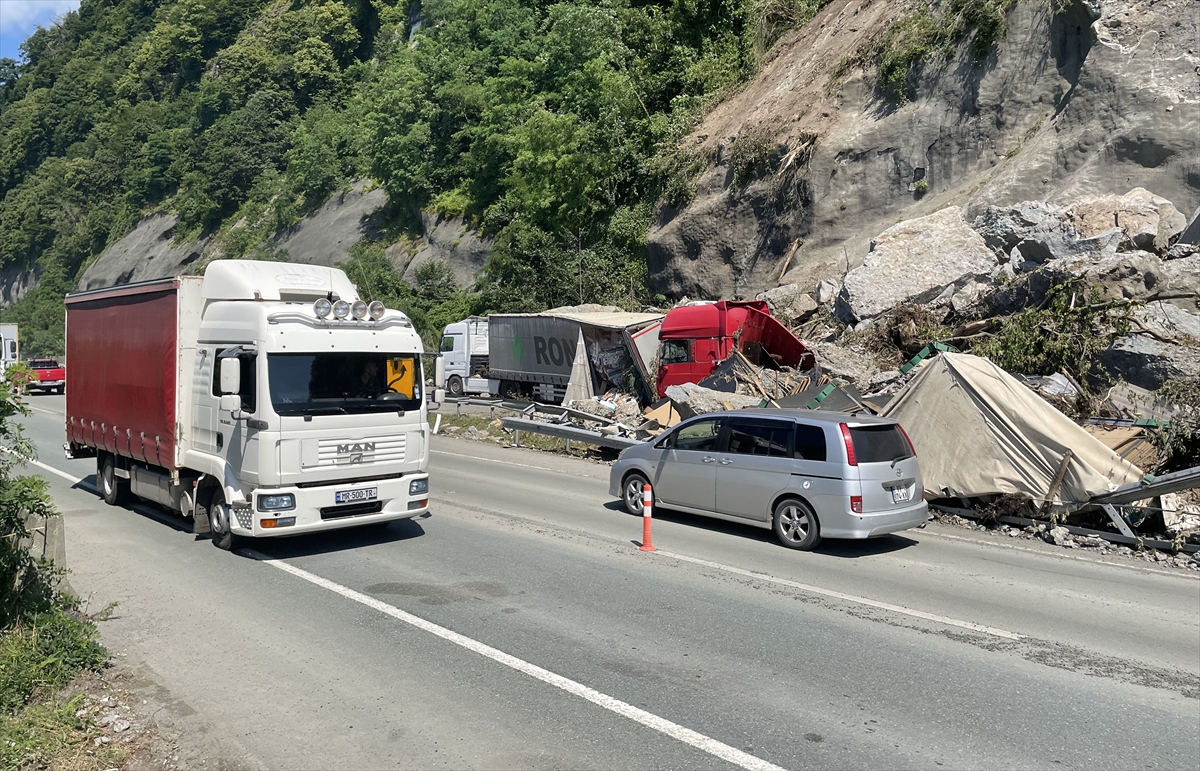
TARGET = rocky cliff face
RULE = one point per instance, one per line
(1100, 98)
(324, 237)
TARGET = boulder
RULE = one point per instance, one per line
(1148, 221)
(1147, 362)
(692, 399)
(914, 261)
(827, 291)
(1182, 276)
(1191, 233)
(789, 304)
(1003, 227)
(1170, 322)
(846, 364)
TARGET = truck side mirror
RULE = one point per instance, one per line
(231, 402)
(439, 373)
(231, 376)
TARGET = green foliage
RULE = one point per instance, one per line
(1178, 442)
(928, 33)
(922, 186)
(1072, 325)
(43, 652)
(553, 127)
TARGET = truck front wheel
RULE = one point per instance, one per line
(219, 529)
(455, 386)
(112, 487)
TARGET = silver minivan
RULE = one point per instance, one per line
(807, 474)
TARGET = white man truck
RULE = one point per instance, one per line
(262, 399)
(10, 351)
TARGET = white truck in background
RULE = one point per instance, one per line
(263, 399)
(465, 350)
(10, 350)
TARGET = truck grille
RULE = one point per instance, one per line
(333, 453)
(351, 510)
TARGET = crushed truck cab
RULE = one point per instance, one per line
(264, 399)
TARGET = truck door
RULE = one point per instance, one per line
(235, 439)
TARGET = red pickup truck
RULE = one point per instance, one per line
(50, 376)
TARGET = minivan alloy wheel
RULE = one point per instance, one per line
(634, 485)
(796, 525)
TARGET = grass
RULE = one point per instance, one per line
(39, 656)
(47, 734)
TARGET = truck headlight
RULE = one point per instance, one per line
(418, 486)
(276, 502)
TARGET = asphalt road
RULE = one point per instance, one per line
(518, 626)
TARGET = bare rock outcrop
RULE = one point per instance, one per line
(323, 237)
(1148, 221)
(147, 252)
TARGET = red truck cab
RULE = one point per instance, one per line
(51, 376)
(695, 339)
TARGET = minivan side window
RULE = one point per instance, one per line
(765, 438)
(701, 436)
(810, 442)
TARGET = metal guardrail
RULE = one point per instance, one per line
(565, 431)
(1137, 491)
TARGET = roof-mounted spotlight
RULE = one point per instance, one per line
(322, 308)
(376, 310)
(341, 309)
(358, 310)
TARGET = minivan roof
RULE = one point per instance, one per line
(811, 416)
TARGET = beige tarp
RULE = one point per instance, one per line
(979, 430)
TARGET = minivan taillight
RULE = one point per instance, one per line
(856, 504)
(850, 457)
(911, 447)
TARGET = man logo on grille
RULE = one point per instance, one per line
(359, 452)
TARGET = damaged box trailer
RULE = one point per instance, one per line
(537, 354)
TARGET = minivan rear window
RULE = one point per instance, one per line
(879, 444)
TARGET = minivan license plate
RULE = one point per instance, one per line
(350, 496)
(899, 494)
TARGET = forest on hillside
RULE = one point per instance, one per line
(552, 127)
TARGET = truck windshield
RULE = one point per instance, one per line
(341, 383)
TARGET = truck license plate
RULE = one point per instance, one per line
(899, 494)
(350, 496)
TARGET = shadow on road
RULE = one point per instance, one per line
(843, 548)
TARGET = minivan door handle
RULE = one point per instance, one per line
(710, 460)
(725, 461)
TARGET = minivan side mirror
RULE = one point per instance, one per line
(666, 442)
(231, 375)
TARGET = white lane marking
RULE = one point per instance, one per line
(654, 722)
(45, 466)
(48, 412)
(843, 596)
(1041, 553)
